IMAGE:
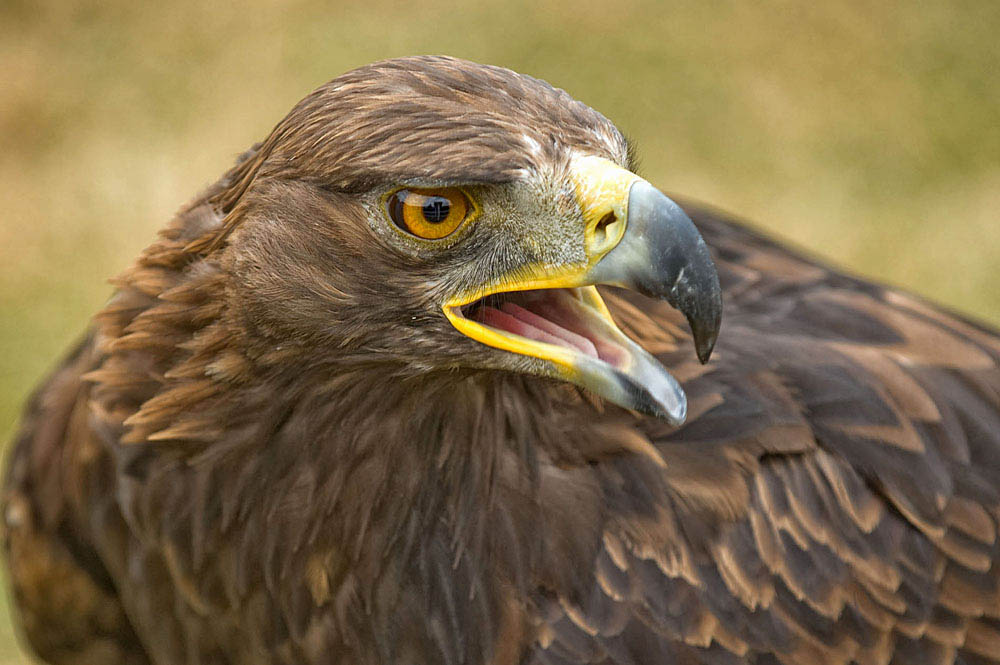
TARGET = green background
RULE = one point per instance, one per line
(868, 133)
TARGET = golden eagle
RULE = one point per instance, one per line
(412, 383)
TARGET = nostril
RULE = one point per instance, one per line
(601, 230)
(607, 232)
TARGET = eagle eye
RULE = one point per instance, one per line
(428, 213)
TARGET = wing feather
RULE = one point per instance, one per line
(832, 497)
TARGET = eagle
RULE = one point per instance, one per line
(428, 377)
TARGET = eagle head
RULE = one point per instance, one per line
(432, 215)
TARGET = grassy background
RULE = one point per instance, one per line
(866, 132)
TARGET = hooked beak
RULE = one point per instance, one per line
(663, 256)
(636, 238)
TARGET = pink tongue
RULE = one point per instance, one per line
(575, 340)
(514, 318)
(607, 350)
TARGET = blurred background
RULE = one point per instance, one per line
(867, 133)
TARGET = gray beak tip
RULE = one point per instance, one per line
(705, 329)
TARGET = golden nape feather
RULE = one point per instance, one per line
(418, 381)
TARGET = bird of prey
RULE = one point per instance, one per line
(418, 381)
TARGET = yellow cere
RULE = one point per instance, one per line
(602, 189)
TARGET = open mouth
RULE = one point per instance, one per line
(549, 323)
(568, 319)
(572, 329)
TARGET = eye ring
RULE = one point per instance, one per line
(430, 214)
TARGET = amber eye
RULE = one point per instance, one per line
(428, 213)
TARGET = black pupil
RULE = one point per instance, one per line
(436, 209)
